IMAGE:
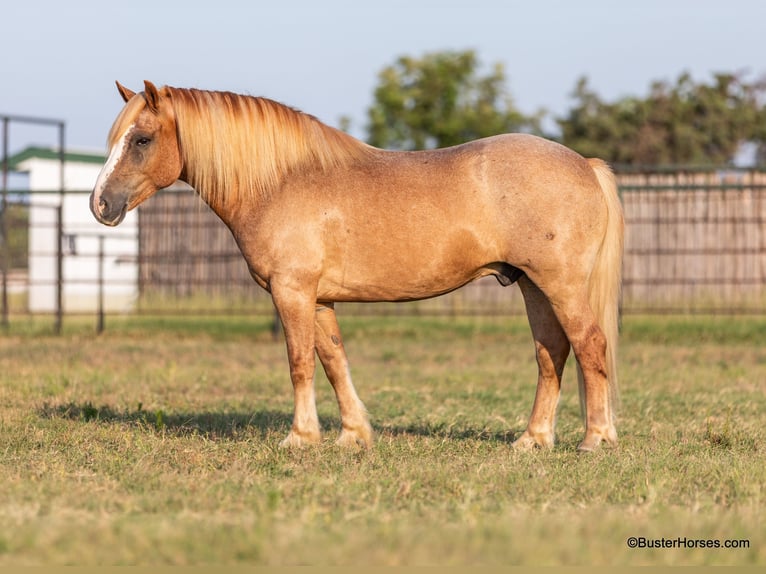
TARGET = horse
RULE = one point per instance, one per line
(321, 217)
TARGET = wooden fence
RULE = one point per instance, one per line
(695, 243)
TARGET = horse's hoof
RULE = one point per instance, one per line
(294, 440)
(354, 439)
(529, 441)
(593, 440)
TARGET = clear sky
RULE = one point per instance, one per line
(60, 58)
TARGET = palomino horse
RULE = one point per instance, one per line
(321, 217)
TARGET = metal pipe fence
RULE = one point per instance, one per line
(5, 231)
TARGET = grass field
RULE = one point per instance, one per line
(156, 444)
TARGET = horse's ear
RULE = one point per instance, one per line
(152, 96)
(125, 92)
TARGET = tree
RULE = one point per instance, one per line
(681, 123)
(441, 100)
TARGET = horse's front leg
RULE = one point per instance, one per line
(355, 424)
(296, 311)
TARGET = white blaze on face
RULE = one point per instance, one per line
(111, 163)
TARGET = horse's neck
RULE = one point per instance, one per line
(229, 210)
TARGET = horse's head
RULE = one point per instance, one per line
(144, 154)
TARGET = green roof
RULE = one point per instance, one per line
(53, 154)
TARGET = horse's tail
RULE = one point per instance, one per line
(606, 281)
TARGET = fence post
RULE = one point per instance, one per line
(59, 268)
(100, 324)
(5, 251)
(4, 256)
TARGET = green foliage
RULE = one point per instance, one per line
(680, 123)
(439, 100)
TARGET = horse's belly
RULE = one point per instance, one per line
(411, 273)
(357, 289)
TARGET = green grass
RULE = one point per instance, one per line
(156, 444)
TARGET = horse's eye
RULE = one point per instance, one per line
(142, 141)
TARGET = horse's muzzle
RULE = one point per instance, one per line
(109, 211)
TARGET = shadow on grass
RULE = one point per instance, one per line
(225, 425)
(447, 431)
(235, 425)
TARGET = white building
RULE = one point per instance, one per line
(81, 236)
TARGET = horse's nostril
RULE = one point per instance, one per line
(102, 204)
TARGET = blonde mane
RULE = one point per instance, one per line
(234, 146)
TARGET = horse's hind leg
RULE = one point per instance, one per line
(355, 425)
(588, 342)
(552, 350)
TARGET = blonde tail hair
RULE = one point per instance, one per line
(606, 281)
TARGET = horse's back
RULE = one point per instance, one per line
(516, 182)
